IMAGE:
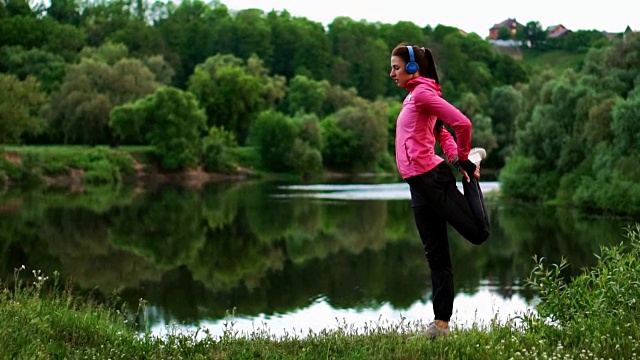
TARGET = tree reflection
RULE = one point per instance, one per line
(196, 254)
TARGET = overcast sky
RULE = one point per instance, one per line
(468, 15)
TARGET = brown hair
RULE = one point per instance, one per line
(422, 56)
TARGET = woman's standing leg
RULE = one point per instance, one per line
(432, 228)
(428, 200)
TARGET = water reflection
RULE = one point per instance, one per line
(284, 256)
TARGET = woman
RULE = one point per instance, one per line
(435, 198)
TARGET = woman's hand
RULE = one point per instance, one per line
(467, 167)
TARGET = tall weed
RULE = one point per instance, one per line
(608, 289)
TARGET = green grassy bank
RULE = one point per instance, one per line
(593, 316)
(37, 165)
(63, 166)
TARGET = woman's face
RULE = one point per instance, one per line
(398, 72)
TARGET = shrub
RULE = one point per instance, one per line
(609, 289)
(102, 172)
(216, 150)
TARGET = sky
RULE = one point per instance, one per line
(468, 15)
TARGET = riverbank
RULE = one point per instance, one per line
(594, 316)
(74, 167)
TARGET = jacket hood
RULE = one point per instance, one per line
(421, 80)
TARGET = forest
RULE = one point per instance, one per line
(203, 85)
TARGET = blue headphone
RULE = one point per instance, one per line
(411, 67)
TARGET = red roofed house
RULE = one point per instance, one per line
(510, 24)
(556, 31)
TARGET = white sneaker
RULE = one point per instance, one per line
(477, 154)
(434, 331)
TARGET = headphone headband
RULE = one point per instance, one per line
(411, 57)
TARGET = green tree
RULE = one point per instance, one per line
(300, 47)
(20, 107)
(306, 153)
(362, 58)
(99, 19)
(251, 35)
(26, 31)
(44, 33)
(111, 52)
(274, 134)
(233, 94)
(306, 95)
(402, 31)
(18, 8)
(533, 33)
(216, 150)
(505, 104)
(170, 120)
(189, 31)
(64, 11)
(625, 125)
(108, 52)
(598, 126)
(355, 137)
(48, 68)
(483, 134)
(508, 71)
(140, 38)
(63, 39)
(91, 89)
(163, 71)
(579, 41)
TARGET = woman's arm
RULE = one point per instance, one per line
(432, 103)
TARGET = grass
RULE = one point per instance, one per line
(558, 60)
(593, 316)
(100, 164)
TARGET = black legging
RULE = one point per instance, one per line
(436, 200)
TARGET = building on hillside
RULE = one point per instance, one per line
(555, 31)
(627, 33)
(510, 24)
(610, 35)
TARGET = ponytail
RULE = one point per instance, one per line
(432, 73)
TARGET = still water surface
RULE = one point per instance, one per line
(283, 258)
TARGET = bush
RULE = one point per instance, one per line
(101, 164)
(273, 134)
(11, 170)
(306, 160)
(518, 179)
(216, 150)
(102, 172)
(609, 289)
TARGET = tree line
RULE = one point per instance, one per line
(196, 80)
(124, 72)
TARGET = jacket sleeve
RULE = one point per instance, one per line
(430, 102)
(448, 144)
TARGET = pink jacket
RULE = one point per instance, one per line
(415, 137)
